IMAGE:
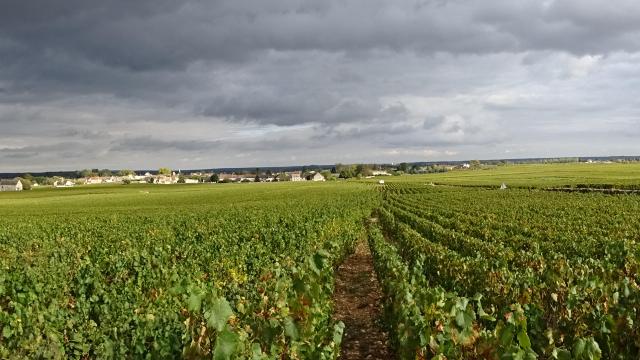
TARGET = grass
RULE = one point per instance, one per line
(537, 175)
(144, 198)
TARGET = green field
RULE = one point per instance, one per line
(247, 270)
(539, 175)
(169, 271)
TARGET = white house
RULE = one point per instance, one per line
(62, 183)
(380, 173)
(163, 179)
(315, 177)
(191, 181)
(93, 180)
(296, 176)
(11, 185)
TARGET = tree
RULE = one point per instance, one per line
(404, 167)
(125, 172)
(257, 178)
(364, 170)
(327, 175)
(347, 171)
(104, 173)
(181, 179)
(214, 178)
(475, 164)
(43, 180)
(164, 171)
(85, 173)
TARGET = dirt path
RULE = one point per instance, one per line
(357, 300)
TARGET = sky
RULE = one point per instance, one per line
(201, 84)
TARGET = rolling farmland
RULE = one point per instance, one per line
(247, 270)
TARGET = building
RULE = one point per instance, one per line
(228, 177)
(380, 173)
(63, 183)
(296, 176)
(11, 185)
(315, 177)
(93, 180)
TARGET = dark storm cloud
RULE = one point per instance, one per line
(149, 144)
(356, 76)
(150, 34)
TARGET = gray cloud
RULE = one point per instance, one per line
(251, 82)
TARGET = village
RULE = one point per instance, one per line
(165, 176)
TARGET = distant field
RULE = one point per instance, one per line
(541, 175)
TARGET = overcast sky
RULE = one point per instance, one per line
(200, 84)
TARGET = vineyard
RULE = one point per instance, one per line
(248, 271)
(175, 272)
(518, 274)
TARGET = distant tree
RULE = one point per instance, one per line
(283, 177)
(257, 178)
(85, 173)
(164, 171)
(268, 173)
(327, 175)
(27, 176)
(347, 171)
(126, 181)
(404, 167)
(43, 180)
(181, 179)
(364, 170)
(214, 178)
(125, 172)
(475, 164)
(150, 180)
(104, 172)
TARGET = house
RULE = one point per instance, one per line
(228, 177)
(11, 185)
(315, 177)
(163, 179)
(63, 183)
(380, 173)
(93, 180)
(191, 181)
(295, 176)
